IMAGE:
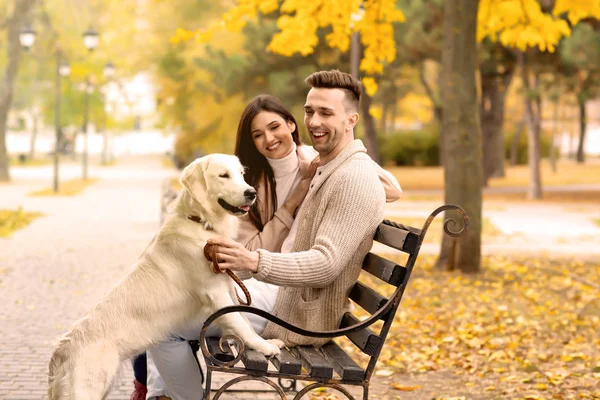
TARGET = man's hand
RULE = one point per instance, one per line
(232, 255)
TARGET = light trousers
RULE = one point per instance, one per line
(172, 368)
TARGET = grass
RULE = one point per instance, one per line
(175, 184)
(12, 220)
(167, 162)
(66, 188)
(35, 162)
(109, 163)
(423, 178)
(596, 221)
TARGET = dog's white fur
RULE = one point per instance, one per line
(170, 284)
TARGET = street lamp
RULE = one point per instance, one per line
(91, 39)
(27, 37)
(63, 69)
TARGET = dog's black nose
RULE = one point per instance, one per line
(250, 194)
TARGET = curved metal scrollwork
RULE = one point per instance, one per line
(449, 221)
(316, 385)
(291, 387)
(238, 343)
(232, 382)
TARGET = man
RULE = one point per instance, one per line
(321, 258)
(333, 229)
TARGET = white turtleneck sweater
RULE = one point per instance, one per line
(286, 175)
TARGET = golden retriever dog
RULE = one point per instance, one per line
(132, 317)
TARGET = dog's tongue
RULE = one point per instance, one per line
(245, 208)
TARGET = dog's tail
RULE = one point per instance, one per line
(58, 371)
(82, 372)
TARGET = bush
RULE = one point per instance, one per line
(412, 147)
(523, 151)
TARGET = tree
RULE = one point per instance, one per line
(15, 22)
(496, 68)
(300, 23)
(462, 133)
(580, 55)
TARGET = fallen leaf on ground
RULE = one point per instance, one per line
(405, 388)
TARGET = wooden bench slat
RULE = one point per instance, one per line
(286, 363)
(365, 339)
(314, 363)
(383, 269)
(400, 238)
(367, 298)
(213, 347)
(255, 361)
(344, 366)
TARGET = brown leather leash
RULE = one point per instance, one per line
(210, 252)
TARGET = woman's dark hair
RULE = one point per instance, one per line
(249, 156)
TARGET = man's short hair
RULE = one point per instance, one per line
(335, 79)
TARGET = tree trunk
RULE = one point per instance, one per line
(461, 131)
(13, 52)
(437, 107)
(34, 133)
(384, 117)
(493, 94)
(553, 149)
(533, 134)
(582, 126)
(514, 147)
(371, 142)
(392, 123)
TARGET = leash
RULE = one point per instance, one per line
(210, 252)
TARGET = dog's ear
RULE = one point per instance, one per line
(193, 179)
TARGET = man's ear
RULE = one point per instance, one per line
(192, 178)
(353, 120)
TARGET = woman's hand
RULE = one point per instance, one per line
(298, 195)
(312, 168)
(232, 255)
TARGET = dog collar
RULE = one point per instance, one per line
(198, 220)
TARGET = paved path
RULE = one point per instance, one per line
(54, 270)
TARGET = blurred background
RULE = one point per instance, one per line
(493, 105)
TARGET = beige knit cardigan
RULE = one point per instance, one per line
(276, 229)
(337, 221)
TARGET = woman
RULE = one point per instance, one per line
(280, 168)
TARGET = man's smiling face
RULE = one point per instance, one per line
(328, 121)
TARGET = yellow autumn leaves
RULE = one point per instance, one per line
(515, 23)
(520, 327)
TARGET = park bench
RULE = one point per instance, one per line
(328, 366)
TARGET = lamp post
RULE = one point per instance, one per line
(90, 40)
(63, 69)
(109, 73)
(27, 37)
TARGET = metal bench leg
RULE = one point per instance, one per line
(207, 384)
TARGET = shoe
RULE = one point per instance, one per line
(139, 391)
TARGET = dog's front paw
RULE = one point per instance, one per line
(263, 346)
(277, 342)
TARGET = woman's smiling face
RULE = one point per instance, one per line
(272, 135)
